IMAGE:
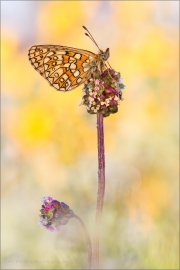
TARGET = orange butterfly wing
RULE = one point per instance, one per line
(65, 68)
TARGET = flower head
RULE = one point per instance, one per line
(54, 214)
(103, 93)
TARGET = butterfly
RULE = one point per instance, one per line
(65, 68)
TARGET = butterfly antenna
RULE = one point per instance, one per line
(90, 36)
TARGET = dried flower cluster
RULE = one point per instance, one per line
(103, 93)
(54, 214)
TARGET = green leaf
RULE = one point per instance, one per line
(101, 89)
(122, 86)
(118, 75)
(91, 85)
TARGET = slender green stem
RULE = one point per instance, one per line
(88, 241)
(101, 189)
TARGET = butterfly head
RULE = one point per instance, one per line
(105, 55)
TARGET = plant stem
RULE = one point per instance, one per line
(101, 189)
(88, 241)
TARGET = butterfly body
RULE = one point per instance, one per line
(65, 68)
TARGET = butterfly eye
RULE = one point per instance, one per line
(103, 56)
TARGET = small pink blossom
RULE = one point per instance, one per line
(94, 94)
(46, 199)
(47, 207)
(50, 228)
(120, 80)
(96, 82)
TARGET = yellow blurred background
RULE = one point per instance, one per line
(49, 142)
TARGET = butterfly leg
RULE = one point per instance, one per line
(108, 70)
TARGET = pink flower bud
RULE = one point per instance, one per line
(113, 103)
(102, 97)
(56, 204)
(54, 214)
(109, 91)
